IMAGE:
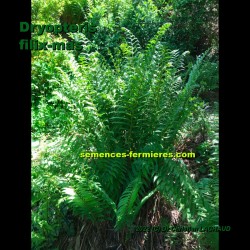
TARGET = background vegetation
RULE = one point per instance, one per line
(147, 79)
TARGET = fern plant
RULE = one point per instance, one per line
(144, 105)
(139, 104)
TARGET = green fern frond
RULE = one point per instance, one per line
(112, 174)
(160, 33)
(132, 41)
(125, 211)
(175, 183)
(180, 108)
(90, 201)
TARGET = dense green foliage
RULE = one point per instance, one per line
(133, 87)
